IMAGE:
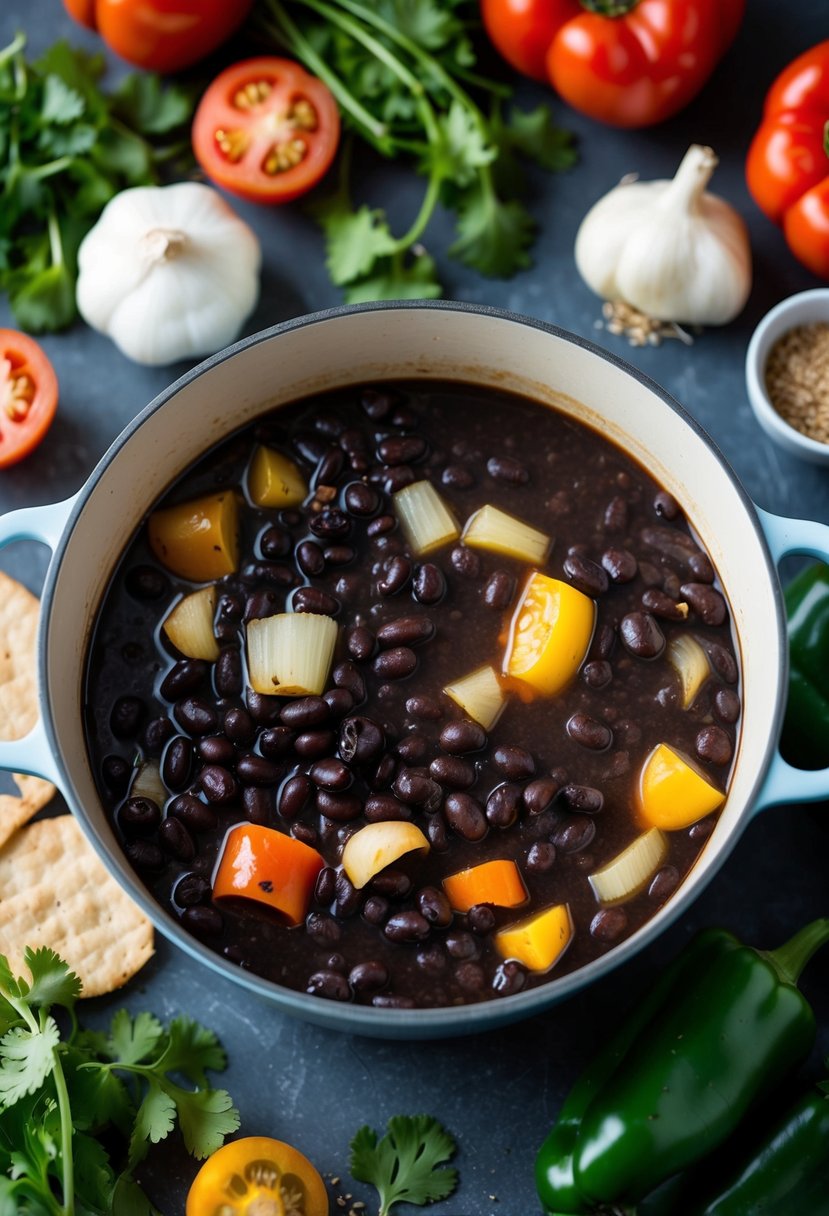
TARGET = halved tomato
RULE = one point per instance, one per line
(28, 395)
(266, 130)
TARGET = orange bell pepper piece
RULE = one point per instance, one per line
(262, 864)
(493, 882)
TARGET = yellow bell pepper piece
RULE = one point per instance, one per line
(549, 635)
(274, 480)
(672, 794)
(198, 540)
(540, 940)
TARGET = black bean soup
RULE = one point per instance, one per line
(552, 786)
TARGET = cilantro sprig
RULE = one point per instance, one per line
(59, 1095)
(66, 148)
(407, 1164)
(403, 75)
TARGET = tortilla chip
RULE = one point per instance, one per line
(55, 892)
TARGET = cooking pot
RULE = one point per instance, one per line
(89, 532)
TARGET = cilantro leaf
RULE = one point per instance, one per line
(154, 1120)
(149, 108)
(53, 983)
(192, 1049)
(26, 1060)
(493, 236)
(396, 279)
(61, 103)
(464, 146)
(403, 1165)
(534, 135)
(206, 1116)
(354, 241)
(129, 1200)
(133, 1039)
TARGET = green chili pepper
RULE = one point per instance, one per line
(805, 737)
(722, 1028)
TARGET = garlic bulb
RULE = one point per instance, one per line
(168, 272)
(669, 248)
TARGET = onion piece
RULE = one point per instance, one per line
(190, 625)
(690, 662)
(628, 872)
(147, 783)
(274, 480)
(479, 695)
(290, 655)
(491, 528)
(377, 845)
(424, 517)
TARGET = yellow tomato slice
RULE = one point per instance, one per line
(672, 794)
(549, 635)
(540, 940)
(257, 1176)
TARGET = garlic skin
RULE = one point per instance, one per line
(669, 248)
(168, 272)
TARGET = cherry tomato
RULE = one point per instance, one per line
(28, 395)
(266, 130)
(257, 1176)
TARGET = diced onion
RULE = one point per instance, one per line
(290, 655)
(490, 528)
(690, 662)
(377, 845)
(629, 872)
(479, 695)
(424, 517)
(190, 625)
(147, 783)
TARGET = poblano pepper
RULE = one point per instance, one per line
(723, 1026)
(805, 738)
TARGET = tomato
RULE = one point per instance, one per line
(787, 167)
(257, 1176)
(163, 35)
(28, 395)
(266, 130)
(629, 63)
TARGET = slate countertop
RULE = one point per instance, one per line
(497, 1092)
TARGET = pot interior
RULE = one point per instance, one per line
(446, 342)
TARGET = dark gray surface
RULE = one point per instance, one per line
(497, 1092)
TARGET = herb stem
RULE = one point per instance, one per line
(67, 1160)
(14, 47)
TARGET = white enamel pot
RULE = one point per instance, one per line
(89, 532)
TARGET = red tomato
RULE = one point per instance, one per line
(28, 395)
(267, 130)
(163, 35)
(633, 68)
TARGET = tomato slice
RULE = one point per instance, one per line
(28, 395)
(257, 1176)
(266, 130)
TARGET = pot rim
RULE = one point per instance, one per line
(444, 1020)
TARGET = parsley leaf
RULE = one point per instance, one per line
(403, 1165)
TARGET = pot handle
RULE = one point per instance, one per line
(783, 782)
(33, 753)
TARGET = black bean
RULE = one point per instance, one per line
(146, 856)
(608, 925)
(324, 886)
(305, 712)
(331, 774)
(337, 806)
(146, 583)
(139, 817)
(346, 675)
(509, 978)
(465, 816)
(312, 599)
(412, 748)
(457, 477)
(425, 708)
(228, 672)
(312, 744)
(377, 403)
(429, 584)
(499, 590)
(583, 798)
(405, 631)
(651, 575)
(401, 449)
(229, 612)
(604, 642)
(727, 705)
(453, 772)
(348, 898)
(436, 831)
(368, 976)
(539, 794)
(381, 526)
(157, 733)
(663, 884)
(407, 926)
(507, 470)
(404, 417)
(388, 547)
(375, 910)
(589, 732)
(322, 929)
(275, 542)
(339, 701)
(328, 984)
(309, 558)
(641, 635)
(203, 921)
(115, 774)
(513, 762)
(616, 514)
(620, 565)
(434, 906)
(215, 749)
(462, 946)
(574, 833)
(330, 466)
(416, 789)
(310, 447)
(394, 884)
(277, 742)
(197, 815)
(395, 664)
(270, 572)
(706, 602)
(258, 802)
(361, 740)
(585, 575)
(126, 717)
(383, 774)
(503, 804)
(396, 574)
(217, 783)
(190, 890)
(256, 770)
(177, 762)
(382, 808)
(662, 605)
(360, 643)
(195, 716)
(470, 976)
(672, 542)
(466, 562)
(597, 673)
(331, 524)
(481, 919)
(361, 499)
(713, 744)
(176, 840)
(338, 555)
(293, 796)
(665, 505)
(262, 604)
(541, 857)
(239, 726)
(461, 736)
(700, 566)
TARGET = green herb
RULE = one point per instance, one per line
(58, 1095)
(66, 148)
(403, 1166)
(403, 75)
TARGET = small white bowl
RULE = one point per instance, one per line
(801, 309)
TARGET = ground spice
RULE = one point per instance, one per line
(797, 379)
(640, 330)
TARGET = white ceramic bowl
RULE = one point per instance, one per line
(801, 309)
